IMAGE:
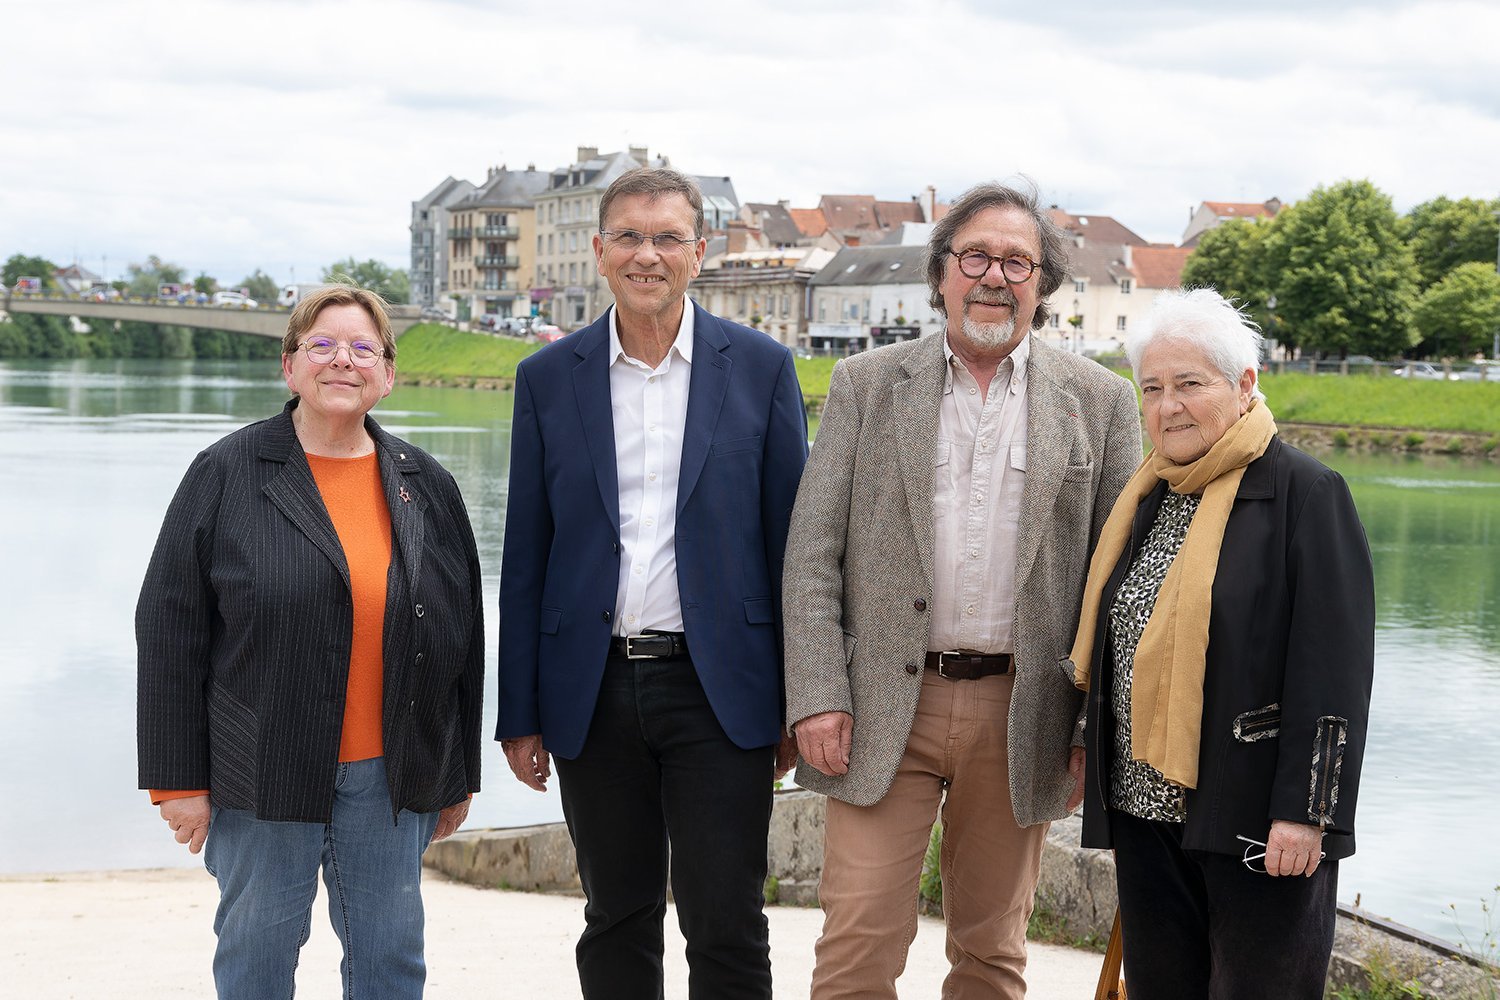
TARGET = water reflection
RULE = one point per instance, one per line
(93, 451)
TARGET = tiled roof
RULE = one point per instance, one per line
(1158, 266)
(1239, 209)
(890, 214)
(849, 211)
(776, 224)
(877, 265)
(1096, 228)
(810, 221)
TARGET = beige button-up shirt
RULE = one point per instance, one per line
(978, 472)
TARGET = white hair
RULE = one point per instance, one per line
(1206, 320)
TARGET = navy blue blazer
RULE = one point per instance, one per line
(744, 446)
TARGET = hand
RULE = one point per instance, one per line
(528, 761)
(1076, 769)
(786, 755)
(449, 820)
(1293, 848)
(823, 740)
(188, 818)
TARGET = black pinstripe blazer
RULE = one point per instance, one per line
(245, 621)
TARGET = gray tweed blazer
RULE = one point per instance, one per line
(859, 559)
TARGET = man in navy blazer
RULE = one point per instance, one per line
(655, 457)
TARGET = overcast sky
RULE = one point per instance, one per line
(226, 136)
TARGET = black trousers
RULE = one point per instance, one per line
(1202, 926)
(657, 770)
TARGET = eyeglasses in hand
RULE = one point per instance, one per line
(1257, 862)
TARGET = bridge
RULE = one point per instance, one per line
(265, 321)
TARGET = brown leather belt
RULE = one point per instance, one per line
(651, 646)
(968, 666)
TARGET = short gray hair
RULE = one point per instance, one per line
(1053, 242)
(1206, 320)
(654, 182)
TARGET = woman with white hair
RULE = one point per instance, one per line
(1226, 644)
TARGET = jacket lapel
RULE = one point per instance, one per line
(708, 382)
(916, 406)
(295, 493)
(591, 388)
(404, 498)
(1050, 411)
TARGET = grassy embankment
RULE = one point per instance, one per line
(1378, 411)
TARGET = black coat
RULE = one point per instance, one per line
(245, 621)
(1291, 645)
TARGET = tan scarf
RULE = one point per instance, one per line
(1166, 699)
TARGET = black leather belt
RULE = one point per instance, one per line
(962, 666)
(651, 646)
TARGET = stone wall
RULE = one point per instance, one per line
(1076, 885)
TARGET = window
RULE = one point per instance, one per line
(1079, 287)
(1054, 321)
(1124, 288)
(551, 248)
(573, 241)
(786, 305)
(1120, 323)
(822, 310)
(539, 243)
(573, 272)
(551, 211)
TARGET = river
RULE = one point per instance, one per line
(93, 450)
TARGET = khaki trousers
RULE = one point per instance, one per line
(873, 856)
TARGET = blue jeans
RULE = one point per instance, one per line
(268, 878)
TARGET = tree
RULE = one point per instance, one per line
(205, 284)
(1231, 259)
(1460, 314)
(21, 266)
(392, 285)
(144, 278)
(1343, 278)
(261, 286)
(1444, 234)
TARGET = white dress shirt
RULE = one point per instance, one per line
(979, 470)
(650, 413)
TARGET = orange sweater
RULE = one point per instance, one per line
(355, 501)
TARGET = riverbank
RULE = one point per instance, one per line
(1373, 412)
(141, 935)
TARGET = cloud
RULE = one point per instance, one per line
(284, 136)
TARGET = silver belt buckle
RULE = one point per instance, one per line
(629, 640)
(942, 661)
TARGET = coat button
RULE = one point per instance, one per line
(919, 604)
(606, 617)
(911, 668)
(616, 548)
(420, 611)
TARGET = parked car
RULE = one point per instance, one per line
(292, 294)
(518, 325)
(434, 313)
(489, 322)
(1488, 371)
(234, 300)
(547, 333)
(1420, 370)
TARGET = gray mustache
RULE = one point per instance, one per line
(990, 298)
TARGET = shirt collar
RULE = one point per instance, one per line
(683, 345)
(1017, 359)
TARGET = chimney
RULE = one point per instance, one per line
(587, 153)
(785, 203)
(928, 202)
(1127, 256)
(738, 236)
(640, 154)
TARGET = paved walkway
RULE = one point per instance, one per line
(140, 935)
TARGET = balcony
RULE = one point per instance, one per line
(497, 232)
(495, 262)
(460, 234)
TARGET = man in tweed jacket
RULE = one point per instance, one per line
(935, 565)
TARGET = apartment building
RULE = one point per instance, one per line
(490, 239)
(429, 240)
(869, 296)
(760, 285)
